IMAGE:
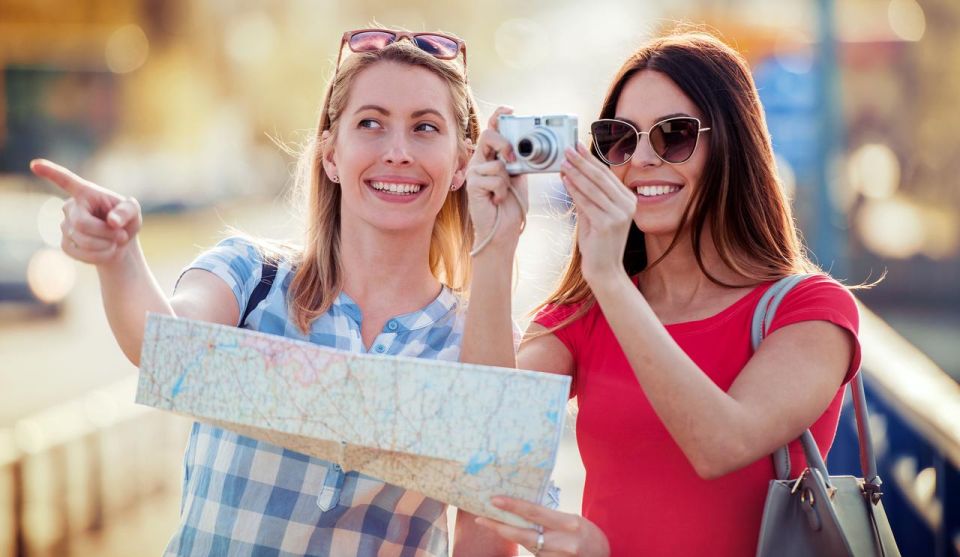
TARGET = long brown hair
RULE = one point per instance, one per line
(319, 275)
(739, 196)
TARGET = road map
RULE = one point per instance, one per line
(459, 433)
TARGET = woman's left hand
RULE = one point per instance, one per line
(563, 535)
(605, 209)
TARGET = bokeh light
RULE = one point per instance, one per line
(907, 19)
(873, 170)
(49, 217)
(127, 49)
(51, 275)
(891, 227)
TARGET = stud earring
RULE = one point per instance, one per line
(335, 179)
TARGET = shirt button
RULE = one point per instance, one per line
(392, 325)
(380, 348)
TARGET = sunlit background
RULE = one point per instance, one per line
(182, 105)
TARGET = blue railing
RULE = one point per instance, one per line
(915, 417)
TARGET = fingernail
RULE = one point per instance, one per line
(115, 219)
(565, 166)
(498, 501)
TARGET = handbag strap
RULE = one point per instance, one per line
(762, 319)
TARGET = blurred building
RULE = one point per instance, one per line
(885, 200)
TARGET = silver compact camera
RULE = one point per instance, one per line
(538, 141)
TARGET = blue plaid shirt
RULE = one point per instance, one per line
(247, 497)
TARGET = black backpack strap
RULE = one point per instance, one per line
(267, 275)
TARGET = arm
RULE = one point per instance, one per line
(100, 228)
(130, 290)
(488, 331)
(768, 404)
(766, 407)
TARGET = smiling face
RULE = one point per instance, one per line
(396, 150)
(663, 190)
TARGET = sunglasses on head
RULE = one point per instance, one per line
(443, 47)
(674, 140)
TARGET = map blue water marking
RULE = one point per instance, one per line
(478, 462)
(178, 385)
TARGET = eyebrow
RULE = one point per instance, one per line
(414, 114)
(425, 111)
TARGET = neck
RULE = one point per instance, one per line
(386, 270)
(679, 279)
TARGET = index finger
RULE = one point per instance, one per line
(61, 176)
(494, 121)
(607, 183)
(491, 143)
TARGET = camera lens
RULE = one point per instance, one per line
(525, 147)
(538, 148)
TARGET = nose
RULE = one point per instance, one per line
(397, 150)
(645, 156)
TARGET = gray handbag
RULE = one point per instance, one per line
(817, 514)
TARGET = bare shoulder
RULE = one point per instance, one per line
(204, 296)
(541, 350)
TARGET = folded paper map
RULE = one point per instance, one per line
(459, 433)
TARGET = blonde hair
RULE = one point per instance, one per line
(319, 273)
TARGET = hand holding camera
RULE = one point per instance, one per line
(510, 147)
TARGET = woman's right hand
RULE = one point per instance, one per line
(489, 185)
(99, 225)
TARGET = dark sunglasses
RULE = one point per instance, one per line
(443, 47)
(674, 140)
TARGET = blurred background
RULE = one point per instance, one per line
(181, 104)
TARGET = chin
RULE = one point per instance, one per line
(657, 227)
(399, 223)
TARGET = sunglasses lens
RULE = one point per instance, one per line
(675, 140)
(371, 40)
(615, 141)
(438, 46)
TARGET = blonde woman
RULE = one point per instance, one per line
(383, 261)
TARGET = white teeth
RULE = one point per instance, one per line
(400, 189)
(653, 191)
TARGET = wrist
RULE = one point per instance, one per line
(125, 259)
(497, 251)
(611, 283)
